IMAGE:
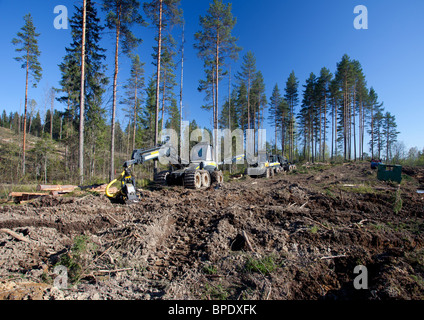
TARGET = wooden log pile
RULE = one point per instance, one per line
(19, 197)
(56, 190)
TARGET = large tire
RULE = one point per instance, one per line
(218, 177)
(193, 180)
(206, 179)
(162, 178)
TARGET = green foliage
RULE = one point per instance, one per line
(124, 14)
(314, 229)
(215, 292)
(210, 269)
(397, 206)
(215, 43)
(78, 258)
(264, 265)
(28, 44)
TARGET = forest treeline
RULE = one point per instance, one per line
(333, 116)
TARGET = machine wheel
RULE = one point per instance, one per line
(193, 180)
(206, 179)
(162, 178)
(217, 177)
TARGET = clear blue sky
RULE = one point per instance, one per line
(285, 35)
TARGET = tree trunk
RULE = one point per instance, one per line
(51, 113)
(115, 82)
(158, 81)
(163, 101)
(181, 94)
(216, 98)
(82, 96)
(135, 112)
(25, 117)
(325, 127)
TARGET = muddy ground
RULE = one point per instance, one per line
(295, 236)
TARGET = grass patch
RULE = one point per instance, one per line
(314, 229)
(360, 189)
(210, 269)
(265, 265)
(215, 292)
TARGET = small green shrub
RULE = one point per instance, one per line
(265, 265)
(397, 206)
(78, 258)
(210, 269)
(215, 292)
(314, 229)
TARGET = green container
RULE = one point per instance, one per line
(389, 173)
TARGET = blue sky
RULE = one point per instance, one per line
(284, 35)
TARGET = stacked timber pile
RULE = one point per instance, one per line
(56, 190)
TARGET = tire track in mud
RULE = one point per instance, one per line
(67, 228)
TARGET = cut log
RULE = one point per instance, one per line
(64, 188)
(102, 189)
(15, 235)
(25, 196)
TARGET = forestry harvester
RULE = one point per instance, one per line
(200, 172)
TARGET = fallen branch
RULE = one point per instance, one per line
(15, 235)
(303, 205)
(334, 257)
(114, 271)
(246, 238)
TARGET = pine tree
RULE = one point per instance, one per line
(307, 117)
(163, 14)
(121, 16)
(28, 44)
(167, 77)
(94, 78)
(229, 118)
(133, 95)
(275, 101)
(344, 78)
(374, 108)
(215, 43)
(389, 133)
(258, 103)
(378, 133)
(323, 93)
(292, 98)
(247, 75)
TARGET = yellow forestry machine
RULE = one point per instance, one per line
(200, 173)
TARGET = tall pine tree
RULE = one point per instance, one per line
(215, 43)
(27, 44)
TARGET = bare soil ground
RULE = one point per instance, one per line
(295, 236)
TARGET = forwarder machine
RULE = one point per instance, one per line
(201, 172)
(265, 167)
(284, 163)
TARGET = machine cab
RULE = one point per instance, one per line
(202, 152)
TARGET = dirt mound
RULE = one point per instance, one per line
(296, 236)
